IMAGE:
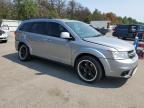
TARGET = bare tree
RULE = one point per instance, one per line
(60, 7)
(71, 8)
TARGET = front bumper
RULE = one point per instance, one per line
(3, 37)
(128, 74)
(121, 68)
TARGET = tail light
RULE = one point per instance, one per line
(141, 45)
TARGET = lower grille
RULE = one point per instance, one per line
(131, 54)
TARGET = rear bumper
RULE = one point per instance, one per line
(16, 45)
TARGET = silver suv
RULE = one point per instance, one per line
(77, 44)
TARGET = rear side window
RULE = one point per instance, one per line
(133, 28)
(25, 27)
(56, 29)
(141, 28)
(40, 28)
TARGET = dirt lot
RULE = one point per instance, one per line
(44, 84)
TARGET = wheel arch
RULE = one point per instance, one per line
(20, 44)
(88, 54)
(23, 43)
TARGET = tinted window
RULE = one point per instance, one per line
(141, 28)
(56, 29)
(133, 28)
(122, 27)
(40, 28)
(25, 27)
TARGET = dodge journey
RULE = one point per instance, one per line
(77, 44)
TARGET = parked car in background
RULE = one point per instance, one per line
(9, 25)
(3, 36)
(112, 27)
(103, 31)
(100, 24)
(76, 44)
(129, 31)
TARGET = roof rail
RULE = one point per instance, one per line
(40, 18)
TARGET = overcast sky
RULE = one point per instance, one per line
(132, 8)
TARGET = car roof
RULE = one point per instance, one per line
(46, 19)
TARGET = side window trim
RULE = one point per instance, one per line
(62, 26)
(44, 31)
(22, 29)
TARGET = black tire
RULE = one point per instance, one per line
(95, 65)
(24, 53)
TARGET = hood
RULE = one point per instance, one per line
(112, 42)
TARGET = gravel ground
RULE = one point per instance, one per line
(41, 83)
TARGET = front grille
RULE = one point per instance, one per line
(131, 54)
(2, 38)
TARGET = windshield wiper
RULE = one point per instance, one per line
(97, 35)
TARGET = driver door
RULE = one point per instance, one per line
(58, 49)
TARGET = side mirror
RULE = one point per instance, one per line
(65, 35)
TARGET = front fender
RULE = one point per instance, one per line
(91, 51)
(102, 58)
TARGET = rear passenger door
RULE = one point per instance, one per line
(38, 39)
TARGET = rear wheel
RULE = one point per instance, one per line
(89, 69)
(24, 53)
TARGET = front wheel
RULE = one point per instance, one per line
(89, 69)
(23, 53)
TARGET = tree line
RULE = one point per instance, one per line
(70, 9)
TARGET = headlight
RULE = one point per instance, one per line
(120, 55)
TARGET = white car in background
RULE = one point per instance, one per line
(4, 31)
(3, 36)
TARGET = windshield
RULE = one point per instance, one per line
(83, 30)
